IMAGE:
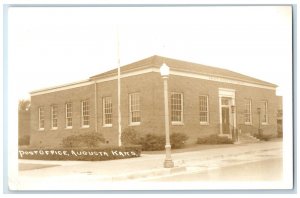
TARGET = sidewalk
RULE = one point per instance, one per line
(150, 165)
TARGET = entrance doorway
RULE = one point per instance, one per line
(227, 113)
(225, 120)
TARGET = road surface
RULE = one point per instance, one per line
(265, 170)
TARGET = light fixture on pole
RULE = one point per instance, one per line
(164, 72)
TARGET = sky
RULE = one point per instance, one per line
(54, 46)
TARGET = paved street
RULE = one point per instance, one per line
(80, 175)
(264, 170)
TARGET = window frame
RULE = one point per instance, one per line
(207, 111)
(265, 107)
(83, 125)
(41, 109)
(69, 117)
(54, 106)
(131, 122)
(104, 114)
(181, 110)
(248, 104)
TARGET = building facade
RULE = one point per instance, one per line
(203, 100)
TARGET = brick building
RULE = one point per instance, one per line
(203, 100)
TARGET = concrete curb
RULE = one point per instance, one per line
(149, 173)
(181, 166)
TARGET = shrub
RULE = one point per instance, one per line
(25, 140)
(279, 130)
(178, 140)
(152, 142)
(129, 137)
(214, 139)
(262, 137)
(85, 140)
(97, 154)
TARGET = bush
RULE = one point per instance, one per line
(152, 142)
(214, 139)
(85, 140)
(279, 130)
(97, 154)
(129, 137)
(178, 140)
(25, 140)
(262, 137)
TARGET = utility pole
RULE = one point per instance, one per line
(119, 90)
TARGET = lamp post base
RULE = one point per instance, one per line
(168, 163)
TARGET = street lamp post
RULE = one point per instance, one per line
(164, 72)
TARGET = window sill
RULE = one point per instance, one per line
(177, 123)
(248, 123)
(85, 126)
(42, 129)
(53, 129)
(69, 127)
(264, 123)
(107, 125)
(135, 124)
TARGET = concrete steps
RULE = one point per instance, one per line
(247, 138)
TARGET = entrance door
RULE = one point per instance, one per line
(225, 120)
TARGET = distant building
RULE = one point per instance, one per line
(279, 116)
(203, 100)
(24, 126)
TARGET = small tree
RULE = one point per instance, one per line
(24, 105)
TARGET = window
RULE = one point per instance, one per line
(41, 118)
(85, 113)
(177, 108)
(69, 123)
(107, 111)
(54, 116)
(264, 112)
(248, 111)
(134, 109)
(203, 104)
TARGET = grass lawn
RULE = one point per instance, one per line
(199, 147)
(194, 147)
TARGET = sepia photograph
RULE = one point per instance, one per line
(150, 97)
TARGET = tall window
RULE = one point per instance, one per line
(85, 113)
(203, 104)
(41, 118)
(134, 108)
(176, 108)
(69, 110)
(107, 111)
(54, 116)
(248, 111)
(264, 112)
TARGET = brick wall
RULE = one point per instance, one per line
(52, 138)
(150, 87)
